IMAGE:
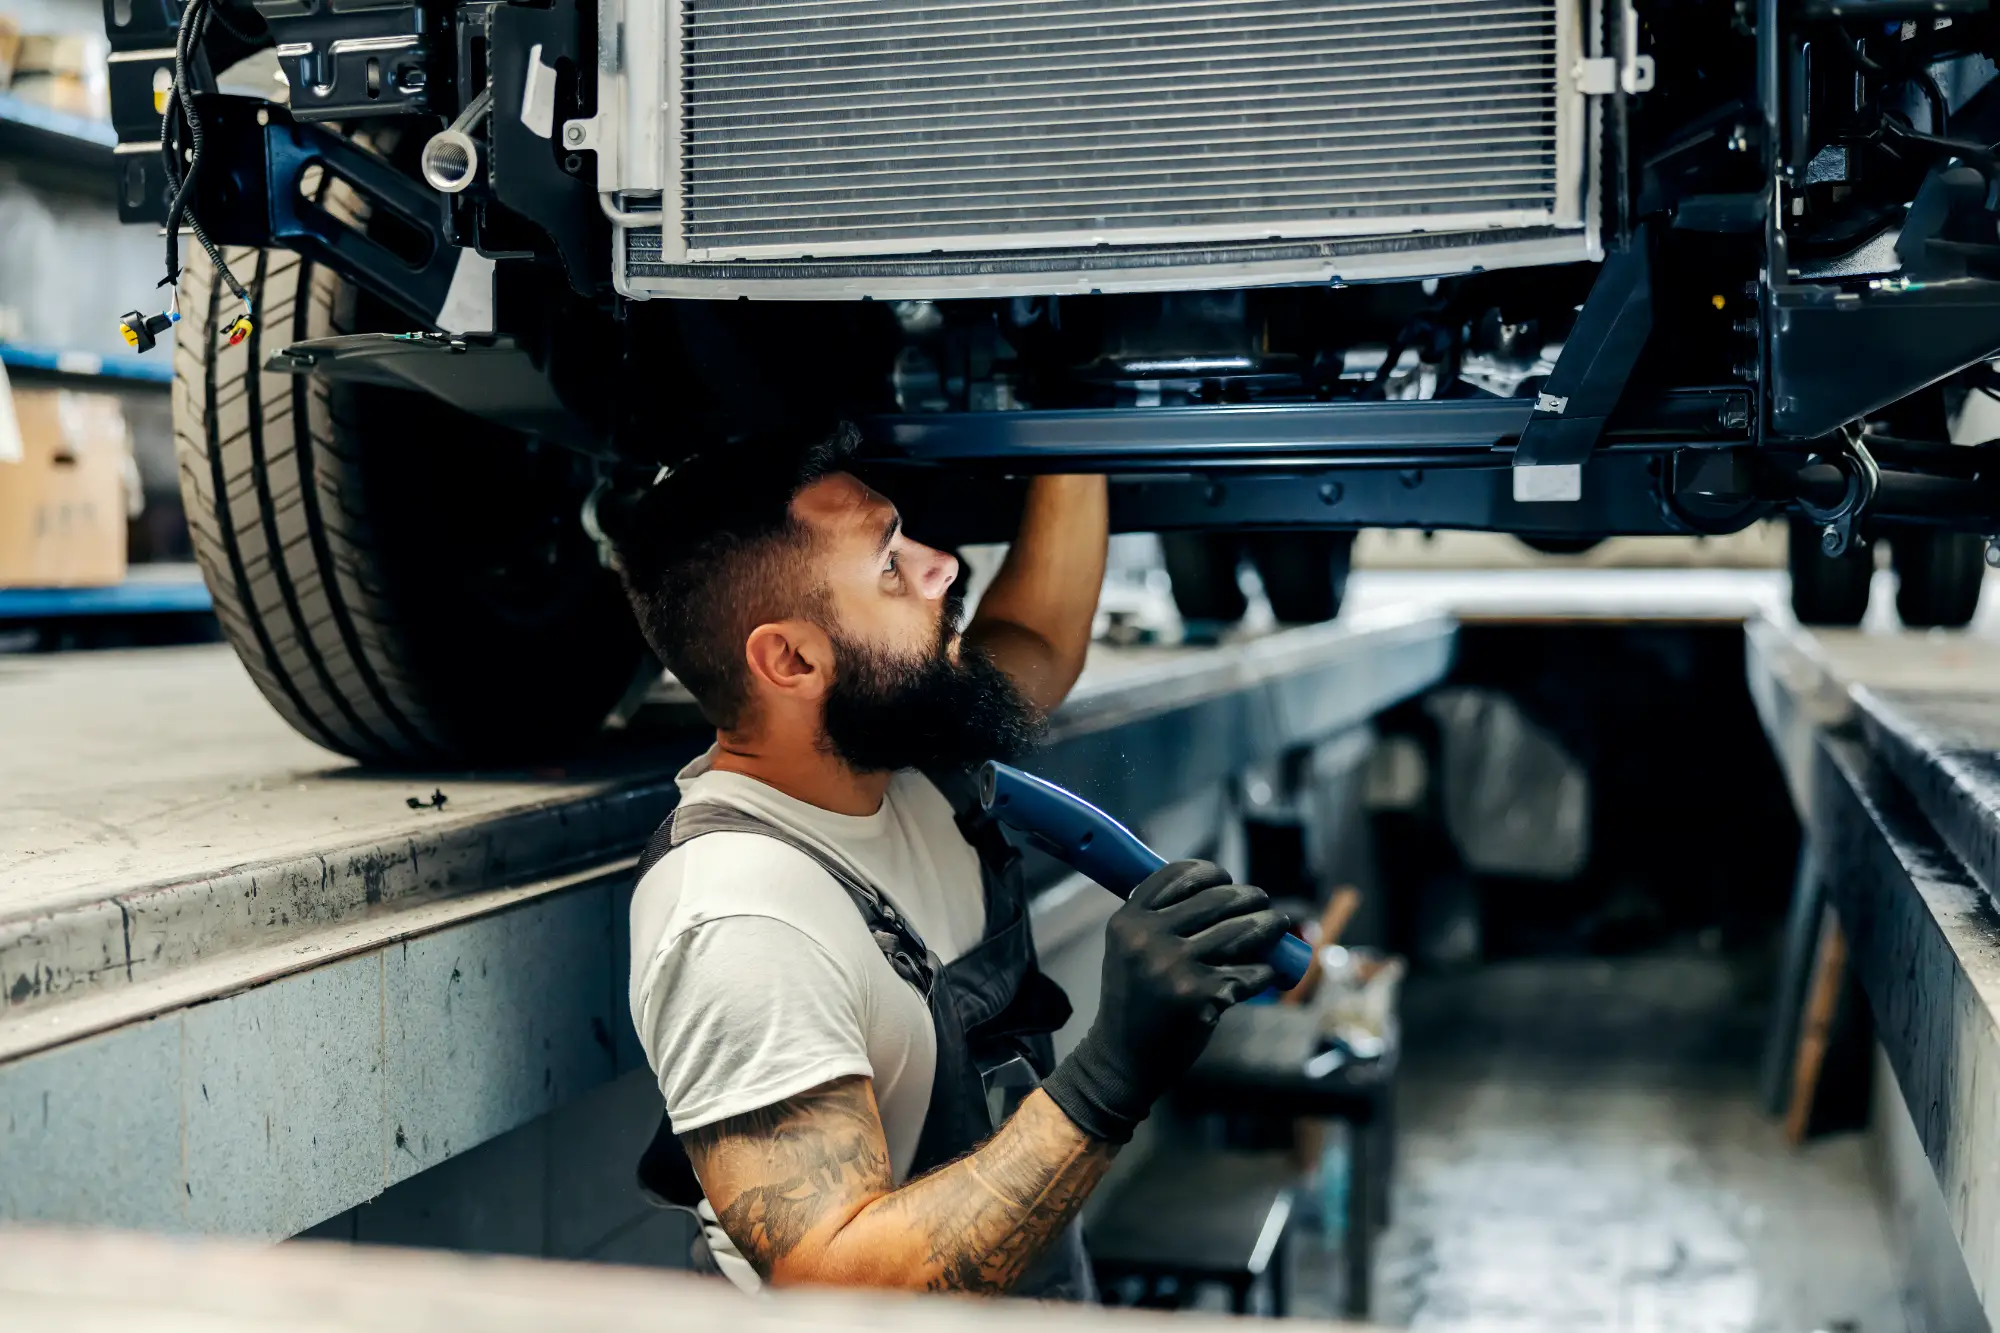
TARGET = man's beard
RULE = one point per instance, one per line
(885, 712)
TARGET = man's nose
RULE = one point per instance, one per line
(940, 569)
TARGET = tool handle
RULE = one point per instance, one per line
(1094, 844)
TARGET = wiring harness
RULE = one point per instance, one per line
(180, 154)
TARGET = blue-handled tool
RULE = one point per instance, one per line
(1092, 843)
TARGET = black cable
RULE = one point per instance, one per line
(193, 119)
(171, 159)
(180, 159)
(229, 26)
(1896, 126)
(180, 111)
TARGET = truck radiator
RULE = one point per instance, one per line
(822, 130)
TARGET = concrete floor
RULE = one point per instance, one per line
(1582, 1150)
(131, 768)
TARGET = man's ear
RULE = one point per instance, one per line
(791, 658)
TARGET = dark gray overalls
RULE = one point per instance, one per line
(992, 1009)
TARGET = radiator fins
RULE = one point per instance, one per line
(816, 128)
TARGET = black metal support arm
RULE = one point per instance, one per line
(1574, 408)
(252, 191)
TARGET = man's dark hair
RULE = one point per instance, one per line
(712, 552)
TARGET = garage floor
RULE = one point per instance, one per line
(1582, 1150)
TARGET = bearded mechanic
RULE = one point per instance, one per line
(829, 945)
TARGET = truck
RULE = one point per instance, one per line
(464, 277)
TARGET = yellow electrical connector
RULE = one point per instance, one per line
(143, 331)
(239, 330)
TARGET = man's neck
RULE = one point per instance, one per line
(806, 774)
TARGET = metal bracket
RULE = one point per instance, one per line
(1590, 376)
(527, 177)
(1836, 536)
(251, 191)
(1601, 76)
(414, 283)
(485, 375)
(1839, 354)
(1628, 71)
(345, 61)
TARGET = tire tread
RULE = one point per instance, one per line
(286, 554)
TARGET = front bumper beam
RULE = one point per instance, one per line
(1467, 432)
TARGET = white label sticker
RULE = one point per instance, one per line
(1548, 483)
(10, 425)
(538, 95)
(468, 303)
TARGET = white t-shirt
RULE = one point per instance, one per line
(754, 978)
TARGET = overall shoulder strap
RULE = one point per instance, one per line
(977, 827)
(658, 845)
(962, 794)
(664, 1171)
(899, 941)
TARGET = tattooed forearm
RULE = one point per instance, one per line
(798, 1163)
(803, 1188)
(989, 1216)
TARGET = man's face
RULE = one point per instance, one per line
(905, 693)
(885, 590)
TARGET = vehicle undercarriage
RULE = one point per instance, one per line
(1559, 269)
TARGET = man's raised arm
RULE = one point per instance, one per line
(1035, 617)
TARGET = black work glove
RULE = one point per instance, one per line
(1185, 946)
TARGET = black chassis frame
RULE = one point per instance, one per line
(1596, 453)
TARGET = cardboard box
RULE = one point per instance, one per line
(10, 50)
(64, 462)
(68, 54)
(65, 71)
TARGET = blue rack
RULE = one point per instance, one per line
(33, 117)
(74, 145)
(182, 593)
(158, 369)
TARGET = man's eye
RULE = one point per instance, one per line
(894, 568)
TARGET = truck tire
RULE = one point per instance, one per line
(1827, 590)
(1938, 576)
(405, 585)
(1304, 573)
(1202, 566)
